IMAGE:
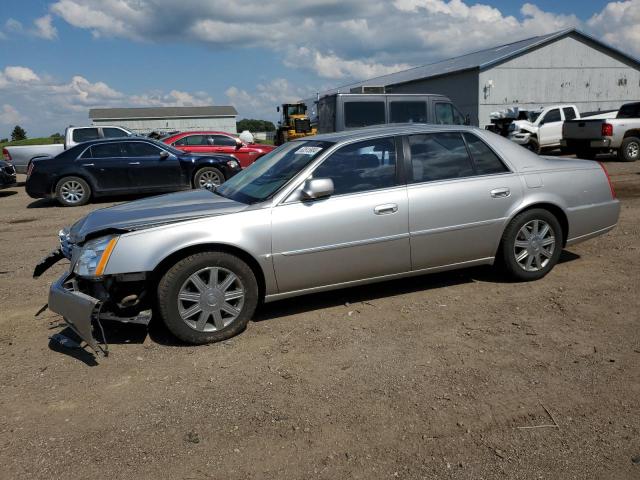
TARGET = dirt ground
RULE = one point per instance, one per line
(457, 375)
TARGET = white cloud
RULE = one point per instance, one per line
(44, 28)
(50, 105)
(617, 24)
(262, 101)
(10, 116)
(20, 74)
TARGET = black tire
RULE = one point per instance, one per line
(534, 146)
(509, 249)
(629, 150)
(208, 177)
(72, 192)
(174, 281)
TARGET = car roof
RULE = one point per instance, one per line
(389, 129)
(201, 132)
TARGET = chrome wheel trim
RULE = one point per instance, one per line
(211, 299)
(534, 245)
(633, 149)
(72, 191)
(209, 179)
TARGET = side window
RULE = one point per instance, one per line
(362, 166)
(106, 150)
(458, 118)
(408, 112)
(439, 156)
(444, 114)
(569, 113)
(85, 134)
(363, 114)
(486, 161)
(192, 141)
(552, 116)
(141, 149)
(223, 141)
(110, 132)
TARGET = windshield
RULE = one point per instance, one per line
(271, 172)
(533, 116)
(169, 148)
(298, 109)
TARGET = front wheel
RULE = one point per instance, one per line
(73, 192)
(534, 146)
(208, 177)
(207, 297)
(531, 245)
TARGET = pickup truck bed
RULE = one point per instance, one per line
(20, 156)
(588, 137)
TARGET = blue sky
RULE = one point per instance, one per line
(58, 58)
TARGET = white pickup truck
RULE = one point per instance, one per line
(620, 134)
(543, 128)
(21, 156)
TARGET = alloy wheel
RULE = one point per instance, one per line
(209, 179)
(534, 245)
(633, 149)
(72, 191)
(211, 299)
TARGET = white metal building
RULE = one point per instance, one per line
(568, 66)
(167, 119)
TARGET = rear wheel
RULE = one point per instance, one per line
(207, 297)
(629, 150)
(531, 244)
(208, 177)
(73, 191)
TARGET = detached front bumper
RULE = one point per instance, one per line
(78, 309)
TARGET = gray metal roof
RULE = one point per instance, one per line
(479, 60)
(162, 112)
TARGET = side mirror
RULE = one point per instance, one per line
(239, 144)
(164, 155)
(316, 188)
(467, 120)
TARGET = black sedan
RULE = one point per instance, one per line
(124, 166)
(7, 175)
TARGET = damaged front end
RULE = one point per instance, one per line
(84, 297)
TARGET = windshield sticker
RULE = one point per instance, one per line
(307, 150)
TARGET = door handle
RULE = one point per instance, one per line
(134, 163)
(500, 192)
(88, 164)
(385, 209)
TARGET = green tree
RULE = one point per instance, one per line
(254, 125)
(18, 133)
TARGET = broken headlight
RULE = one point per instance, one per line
(94, 256)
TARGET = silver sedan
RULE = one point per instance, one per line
(328, 212)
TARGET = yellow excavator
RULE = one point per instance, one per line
(294, 123)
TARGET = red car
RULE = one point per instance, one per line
(218, 142)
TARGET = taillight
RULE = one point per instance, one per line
(607, 130)
(6, 155)
(30, 169)
(613, 192)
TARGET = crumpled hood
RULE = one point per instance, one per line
(524, 124)
(153, 211)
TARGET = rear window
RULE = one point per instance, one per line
(569, 113)
(106, 150)
(487, 162)
(439, 156)
(363, 114)
(85, 134)
(408, 112)
(631, 110)
(111, 132)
